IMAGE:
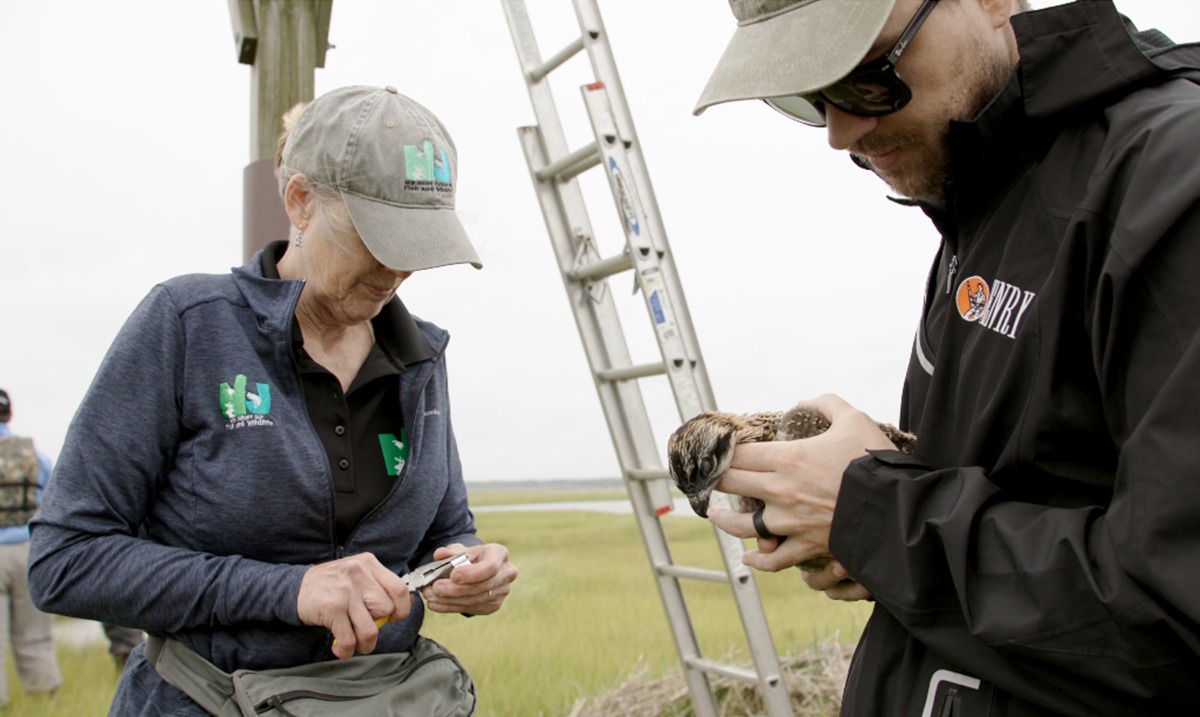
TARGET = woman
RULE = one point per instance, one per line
(261, 454)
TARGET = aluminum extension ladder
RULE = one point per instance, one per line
(553, 168)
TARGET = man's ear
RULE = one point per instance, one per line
(296, 199)
(999, 12)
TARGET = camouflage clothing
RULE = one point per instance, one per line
(19, 471)
(18, 532)
(24, 629)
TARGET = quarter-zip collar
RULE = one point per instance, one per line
(396, 332)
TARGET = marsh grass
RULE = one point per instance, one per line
(584, 625)
(517, 497)
(585, 615)
(813, 681)
(89, 679)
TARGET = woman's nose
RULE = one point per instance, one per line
(401, 275)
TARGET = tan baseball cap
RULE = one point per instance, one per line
(396, 168)
(790, 47)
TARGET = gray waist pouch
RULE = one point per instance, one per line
(425, 682)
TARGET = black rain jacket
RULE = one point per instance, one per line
(1040, 552)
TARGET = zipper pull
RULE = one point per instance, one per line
(950, 272)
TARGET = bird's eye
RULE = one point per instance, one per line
(706, 466)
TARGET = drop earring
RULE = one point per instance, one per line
(299, 237)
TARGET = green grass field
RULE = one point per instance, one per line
(583, 615)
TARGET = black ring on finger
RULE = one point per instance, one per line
(760, 526)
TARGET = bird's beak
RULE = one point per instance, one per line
(700, 502)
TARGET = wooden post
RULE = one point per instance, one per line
(283, 41)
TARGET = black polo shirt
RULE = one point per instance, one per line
(362, 429)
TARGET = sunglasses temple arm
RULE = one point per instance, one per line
(911, 31)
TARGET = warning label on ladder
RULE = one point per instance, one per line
(656, 307)
(660, 303)
(624, 197)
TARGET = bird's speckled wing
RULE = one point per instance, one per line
(799, 422)
(699, 451)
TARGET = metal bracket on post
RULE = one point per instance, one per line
(245, 30)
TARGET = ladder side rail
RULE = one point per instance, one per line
(535, 141)
(605, 68)
(648, 262)
(650, 528)
(611, 393)
(548, 123)
(554, 145)
(599, 326)
(683, 381)
(627, 197)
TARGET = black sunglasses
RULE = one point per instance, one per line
(870, 90)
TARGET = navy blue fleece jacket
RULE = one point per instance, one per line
(192, 491)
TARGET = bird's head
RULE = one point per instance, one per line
(698, 452)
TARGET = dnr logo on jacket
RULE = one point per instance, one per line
(999, 307)
(18, 481)
(242, 408)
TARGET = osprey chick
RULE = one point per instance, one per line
(700, 450)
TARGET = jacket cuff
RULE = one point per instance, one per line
(861, 504)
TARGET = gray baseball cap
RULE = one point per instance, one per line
(789, 47)
(396, 168)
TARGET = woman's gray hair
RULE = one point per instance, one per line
(327, 211)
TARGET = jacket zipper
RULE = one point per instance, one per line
(950, 272)
(338, 550)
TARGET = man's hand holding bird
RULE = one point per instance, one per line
(788, 484)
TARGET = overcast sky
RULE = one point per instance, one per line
(125, 131)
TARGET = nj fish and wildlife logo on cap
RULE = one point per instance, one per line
(426, 168)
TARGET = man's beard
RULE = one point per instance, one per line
(924, 175)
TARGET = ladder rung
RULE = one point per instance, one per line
(602, 269)
(563, 55)
(628, 372)
(553, 168)
(577, 162)
(647, 474)
(683, 571)
(737, 673)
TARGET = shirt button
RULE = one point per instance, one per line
(340, 430)
(343, 464)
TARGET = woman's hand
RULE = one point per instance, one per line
(347, 596)
(478, 588)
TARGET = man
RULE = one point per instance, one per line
(23, 474)
(1040, 552)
